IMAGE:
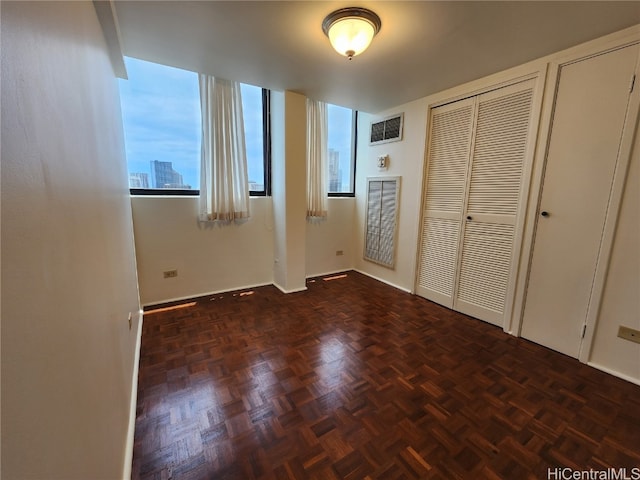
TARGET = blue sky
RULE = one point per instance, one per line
(340, 123)
(161, 117)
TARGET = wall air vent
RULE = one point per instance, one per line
(382, 212)
(387, 130)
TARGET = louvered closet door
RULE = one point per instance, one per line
(493, 199)
(447, 162)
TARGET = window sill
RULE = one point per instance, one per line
(341, 195)
(168, 192)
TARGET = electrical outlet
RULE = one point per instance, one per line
(629, 334)
(383, 162)
(170, 273)
(339, 253)
(130, 321)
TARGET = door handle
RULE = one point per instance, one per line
(469, 217)
(544, 214)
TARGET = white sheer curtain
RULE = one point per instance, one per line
(317, 126)
(224, 188)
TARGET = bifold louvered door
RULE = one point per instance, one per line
(472, 201)
(493, 197)
(448, 157)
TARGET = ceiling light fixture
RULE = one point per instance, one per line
(350, 30)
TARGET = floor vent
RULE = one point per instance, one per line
(387, 130)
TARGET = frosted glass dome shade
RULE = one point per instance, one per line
(351, 30)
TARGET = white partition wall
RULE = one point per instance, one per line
(68, 265)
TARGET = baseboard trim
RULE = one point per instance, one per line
(333, 272)
(294, 290)
(610, 371)
(383, 281)
(128, 454)
(206, 294)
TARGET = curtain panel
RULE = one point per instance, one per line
(317, 127)
(224, 188)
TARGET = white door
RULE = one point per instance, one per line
(589, 115)
(477, 155)
(447, 163)
(494, 191)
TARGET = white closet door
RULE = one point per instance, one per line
(589, 115)
(447, 163)
(494, 196)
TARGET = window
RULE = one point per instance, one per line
(255, 109)
(341, 151)
(161, 118)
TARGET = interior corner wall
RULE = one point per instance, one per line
(406, 160)
(278, 185)
(68, 263)
(209, 258)
(330, 244)
(621, 302)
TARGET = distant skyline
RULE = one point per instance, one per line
(161, 118)
(340, 121)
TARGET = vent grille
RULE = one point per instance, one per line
(387, 130)
(382, 207)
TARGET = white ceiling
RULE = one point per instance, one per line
(422, 48)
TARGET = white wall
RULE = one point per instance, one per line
(335, 233)
(289, 189)
(209, 258)
(406, 159)
(213, 258)
(68, 264)
(621, 298)
(278, 181)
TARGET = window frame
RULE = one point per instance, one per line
(266, 133)
(164, 192)
(266, 145)
(354, 151)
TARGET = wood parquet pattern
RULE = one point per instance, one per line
(354, 379)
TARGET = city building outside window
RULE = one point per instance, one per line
(161, 119)
(341, 151)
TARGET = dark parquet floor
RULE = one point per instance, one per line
(353, 379)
